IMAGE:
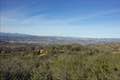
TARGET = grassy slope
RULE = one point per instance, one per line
(62, 62)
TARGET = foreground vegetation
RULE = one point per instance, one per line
(59, 62)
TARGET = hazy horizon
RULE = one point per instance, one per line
(71, 18)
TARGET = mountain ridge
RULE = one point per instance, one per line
(26, 38)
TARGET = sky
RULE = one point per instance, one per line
(70, 18)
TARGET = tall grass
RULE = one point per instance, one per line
(63, 62)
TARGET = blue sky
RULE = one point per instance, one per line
(73, 18)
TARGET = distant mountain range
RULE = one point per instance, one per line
(23, 38)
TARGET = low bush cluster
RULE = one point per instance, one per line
(62, 62)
